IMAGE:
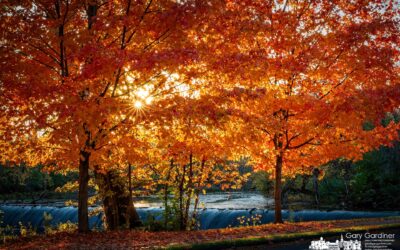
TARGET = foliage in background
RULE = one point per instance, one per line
(32, 183)
(261, 182)
(376, 182)
(372, 183)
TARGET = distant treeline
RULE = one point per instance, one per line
(30, 184)
(372, 183)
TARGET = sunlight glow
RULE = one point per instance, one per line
(142, 93)
(148, 100)
(138, 104)
(129, 79)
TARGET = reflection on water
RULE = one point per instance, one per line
(233, 200)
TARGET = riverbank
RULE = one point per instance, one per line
(205, 239)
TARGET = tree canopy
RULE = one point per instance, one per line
(97, 85)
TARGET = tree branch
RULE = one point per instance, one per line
(301, 144)
(337, 85)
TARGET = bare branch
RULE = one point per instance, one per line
(157, 40)
(140, 21)
(44, 52)
(337, 85)
(301, 144)
(36, 60)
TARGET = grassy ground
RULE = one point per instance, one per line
(278, 238)
(206, 239)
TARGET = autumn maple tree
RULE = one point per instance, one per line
(189, 153)
(303, 77)
(72, 77)
(87, 85)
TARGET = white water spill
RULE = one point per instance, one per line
(211, 218)
(225, 200)
(217, 210)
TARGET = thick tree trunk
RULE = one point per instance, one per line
(278, 189)
(83, 217)
(118, 206)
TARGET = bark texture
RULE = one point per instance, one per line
(278, 189)
(118, 205)
(83, 217)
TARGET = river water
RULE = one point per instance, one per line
(216, 211)
(224, 200)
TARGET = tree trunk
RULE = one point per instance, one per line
(83, 217)
(278, 189)
(197, 191)
(131, 209)
(166, 186)
(189, 194)
(316, 173)
(118, 205)
(181, 194)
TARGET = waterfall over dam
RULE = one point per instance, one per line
(208, 218)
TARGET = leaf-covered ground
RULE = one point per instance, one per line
(125, 239)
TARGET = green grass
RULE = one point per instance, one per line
(276, 238)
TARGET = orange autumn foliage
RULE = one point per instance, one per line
(303, 77)
(72, 77)
(85, 83)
